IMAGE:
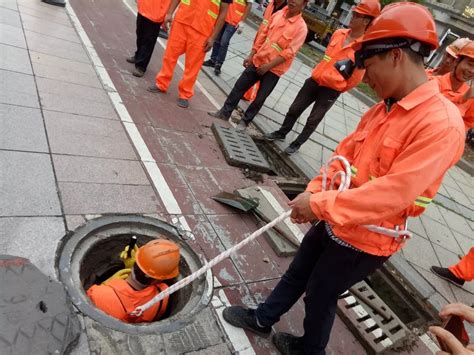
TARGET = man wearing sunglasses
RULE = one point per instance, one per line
(398, 155)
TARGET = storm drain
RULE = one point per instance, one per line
(90, 255)
(376, 330)
(239, 149)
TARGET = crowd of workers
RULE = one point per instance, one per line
(398, 153)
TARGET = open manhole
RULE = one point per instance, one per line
(89, 255)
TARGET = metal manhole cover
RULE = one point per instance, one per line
(239, 149)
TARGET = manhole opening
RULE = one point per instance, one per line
(90, 254)
(101, 261)
(280, 164)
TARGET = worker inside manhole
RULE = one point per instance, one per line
(144, 272)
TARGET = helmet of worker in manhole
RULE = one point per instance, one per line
(118, 296)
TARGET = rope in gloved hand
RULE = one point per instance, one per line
(344, 176)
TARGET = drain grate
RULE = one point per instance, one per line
(376, 332)
(239, 149)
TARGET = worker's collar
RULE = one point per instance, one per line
(421, 94)
(291, 19)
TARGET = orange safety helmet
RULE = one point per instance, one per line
(368, 7)
(467, 50)
(403, 20)
(159, 259)
(454, 48)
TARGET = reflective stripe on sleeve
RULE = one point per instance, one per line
(422, 201)
(276, 47)
(353, 171)
(212, 14)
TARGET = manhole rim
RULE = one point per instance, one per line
(67, 248)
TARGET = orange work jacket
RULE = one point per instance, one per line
(201, 15)
(266, 19)
(457, 97)
(325, 74)
(398, 160)
(282, 37)
(235, 12)
(154, 10)
(118, 299)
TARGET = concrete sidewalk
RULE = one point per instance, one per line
(443, 233)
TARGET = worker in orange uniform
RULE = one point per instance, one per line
(459, 273)
(236, 15)
(454, 85)
(272, 7)
(150, 16)
(329, 78)
(271, 56)
(156, 262)
(399, 154)
(195, 28)
(449, 58)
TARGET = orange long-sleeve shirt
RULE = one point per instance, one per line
(325, 74)
(398, 160)
(282, 37)
(154, 10)
(466, 107)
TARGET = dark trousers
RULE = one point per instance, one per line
(311, 92)
(248, 78)
(219, 50)
(147, 33)
(323, 270)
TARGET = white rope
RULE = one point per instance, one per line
(344, 176)
(187, 280)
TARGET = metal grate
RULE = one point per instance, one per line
(376, 331)
(239, 149)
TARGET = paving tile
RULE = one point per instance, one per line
(9, 17)
(458, 196)
(9, 4)
(12, 36)
(54, 46)
(446, 257)
(74, 221)
(48, 28)
(415, 225)
(464, 294)
(441, 286)
(57, 62)
(22, 128)
(28, 186)
(31, 10)
(84, 198)
(434, 212)
(464, 242)
(87, 136)
(439, 234)
(98, 170)
(15, 59)
(456, 222)
(21, 89)
(251, 260)
(77, 106)
(419, 251)
(20, 236)
(64, 91)
(47, 71)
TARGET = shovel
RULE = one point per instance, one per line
(249, 205)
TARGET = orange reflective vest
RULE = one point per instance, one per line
(201, 15)
(325, 74)
(457, 97)
(235, 12)
(154, 10)
(118, 299)
(398, 159)
(267, 15)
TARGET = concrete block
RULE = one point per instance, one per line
(57, 62)
(21, 89)
(71, 90)
(15, 59)
(9, 17)
(22, 128)
(28, 186)
(47, 71)
(83, 198)
(51, 29)
(12, 36)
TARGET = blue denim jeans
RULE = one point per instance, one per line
(219, 50)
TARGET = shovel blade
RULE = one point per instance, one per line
(233, 200)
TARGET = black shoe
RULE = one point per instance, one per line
(217, 69)
(183, 103)
(218, 114)
(288, 344)
(292, 148)
(154, 89)
(277, 135)
(138, 72)
(209, 63)
(131, 59)
(245, 318)
(447, 275)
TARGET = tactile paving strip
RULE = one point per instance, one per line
(375, 332)
(239, 149)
